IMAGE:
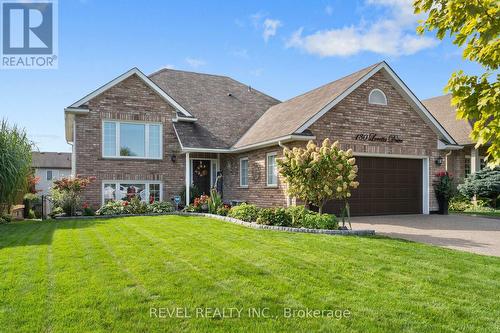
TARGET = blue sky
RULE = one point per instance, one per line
(282, 48)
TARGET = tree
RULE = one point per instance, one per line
(484, 184)
(318, 174)
(474, 24)
(66, 193)
(15, 164)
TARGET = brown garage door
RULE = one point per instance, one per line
(387, 186)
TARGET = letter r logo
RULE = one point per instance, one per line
(27, 27)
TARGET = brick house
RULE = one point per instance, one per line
(152, 136)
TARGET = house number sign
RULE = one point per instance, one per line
(378, 138)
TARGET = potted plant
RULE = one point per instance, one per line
(443, 188)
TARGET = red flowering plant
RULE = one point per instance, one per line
(66, 192)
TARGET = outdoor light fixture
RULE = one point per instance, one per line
(439, 161)
(173, 158)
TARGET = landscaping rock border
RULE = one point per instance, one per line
(364, 232)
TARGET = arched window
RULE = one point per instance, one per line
(377, 96)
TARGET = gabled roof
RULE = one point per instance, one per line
(297, 114)
(50, 160)
(446, 114)
(224, 108)
(112, 83)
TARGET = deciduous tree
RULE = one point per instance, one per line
(474, 25)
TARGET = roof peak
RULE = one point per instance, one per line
(165, 69)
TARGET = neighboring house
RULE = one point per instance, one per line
(149, 136)
(464, 159)
(49, 167)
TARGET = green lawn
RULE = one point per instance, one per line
(106, 275)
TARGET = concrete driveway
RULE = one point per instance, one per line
(466, 233)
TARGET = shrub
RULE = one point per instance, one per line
(320, 221)
(223, 210)
(274, 216)
(266, 216)
(135, 206)
(87, 210)
(160, 207)
(193, 209)
(112, 208)
(316, 174)
(66, 193)
(484, 183)
(5, 219)
(297, 214)
(459, 203)
(55, 212)
(244, 212)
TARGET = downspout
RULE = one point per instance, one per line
(446, 160)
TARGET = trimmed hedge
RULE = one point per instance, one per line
(244, 212)
(296, 216)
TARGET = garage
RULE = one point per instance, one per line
(387, 186)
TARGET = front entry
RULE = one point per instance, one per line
(201, 173)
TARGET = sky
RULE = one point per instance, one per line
(282, 48)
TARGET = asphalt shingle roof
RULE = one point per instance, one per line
(446, 114)
(50, 160)
(287, 117)
(225, 108)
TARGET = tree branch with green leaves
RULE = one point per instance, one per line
(474, 25)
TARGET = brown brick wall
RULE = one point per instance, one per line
(131, 99)
(351, 116)
(257, 192)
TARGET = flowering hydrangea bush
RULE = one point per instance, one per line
(316, 174)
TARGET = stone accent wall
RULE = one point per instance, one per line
(133, 100)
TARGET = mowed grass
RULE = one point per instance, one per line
(106, 275)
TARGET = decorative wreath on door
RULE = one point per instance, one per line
(201, 170)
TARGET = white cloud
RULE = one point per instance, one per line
(195, 63)
(270, 28)
(329, 10)
(268, 25)
(394, 35)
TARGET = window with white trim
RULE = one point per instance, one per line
(244, 172)
(132, 140)
(49, 175)
(126, 190)
(271, 170)
(377, 96)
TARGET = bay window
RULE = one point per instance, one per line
(127, 190)
(132, 140)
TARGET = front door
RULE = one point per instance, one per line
(201, 175)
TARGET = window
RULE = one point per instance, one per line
(272, 170)
(377, 96)
(131, 139)
(127, 190)
(244, 172)
(467, 165)
(49, 175)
